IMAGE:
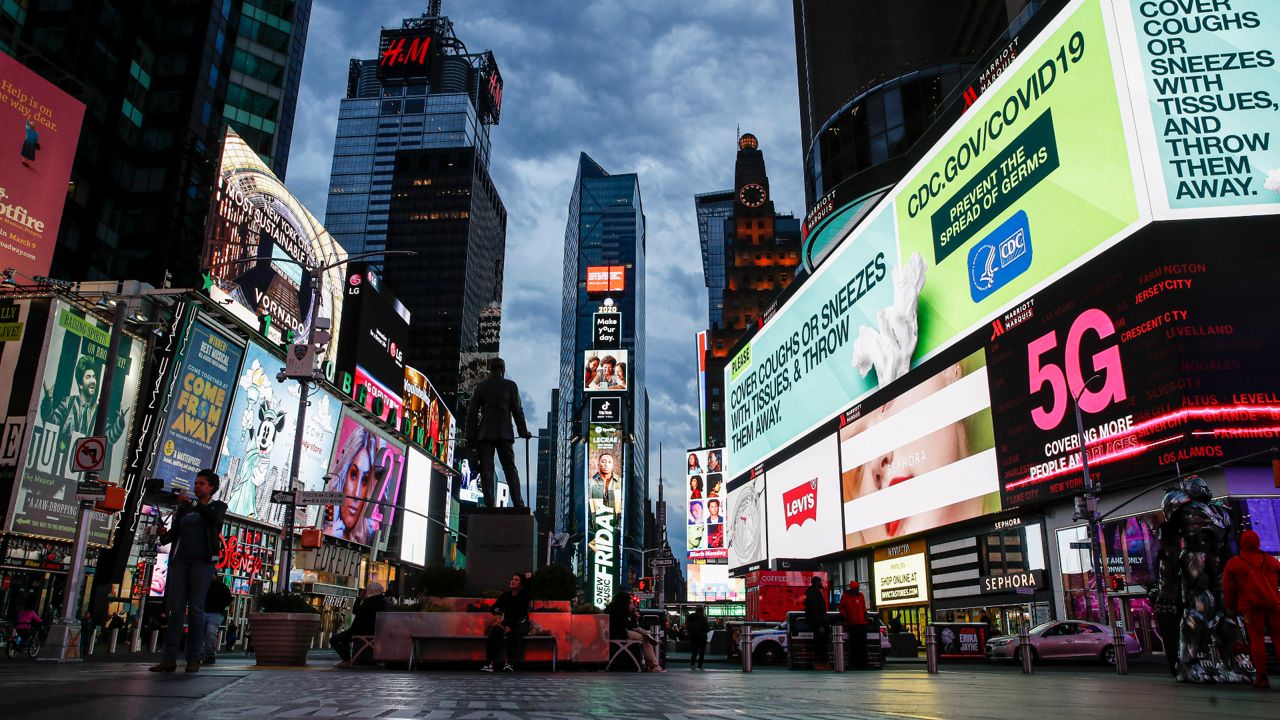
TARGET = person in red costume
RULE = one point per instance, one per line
(853, 609)
(1249, 585)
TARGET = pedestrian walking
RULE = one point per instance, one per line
(86, 632)
(193, 535)
(233, 634)
(215, 610)
(372, 600)
(506, 636)
(815, 614)
(853, 610)
(696, 627)
(1249, 585)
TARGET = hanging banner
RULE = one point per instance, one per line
(202, 391)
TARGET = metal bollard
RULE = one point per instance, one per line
(112, 638)
(746, 648)
(135, 640)
(1122, 656)
(931, 649)
(93, 640)
(155, 638)
(837, 648)
(1024, 649)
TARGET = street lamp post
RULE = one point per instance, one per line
(1087, 508)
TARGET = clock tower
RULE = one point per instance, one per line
(750, 182)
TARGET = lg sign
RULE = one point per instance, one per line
(801, 503)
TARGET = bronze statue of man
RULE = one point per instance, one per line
(494, 405)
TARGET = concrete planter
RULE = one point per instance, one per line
(282, 638)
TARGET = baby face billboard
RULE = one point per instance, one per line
(1038, 178)
(367, 468)
(41, 128)
(257, 448)
(200, 397)
(64, 411)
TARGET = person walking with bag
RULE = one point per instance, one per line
(1249, 585)
(194, 537)
(697, 629)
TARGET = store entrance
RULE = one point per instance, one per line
(913, 619)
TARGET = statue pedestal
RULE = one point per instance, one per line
(500, 543)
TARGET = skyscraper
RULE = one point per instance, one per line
(749, 255)
(604, 404)
(160, 81)
(545, 489)
(411, 172)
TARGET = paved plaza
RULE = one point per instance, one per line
(237, 690)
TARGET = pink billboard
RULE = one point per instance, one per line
(367, 468)
(39, 131)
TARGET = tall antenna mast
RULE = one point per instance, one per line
(433, 8)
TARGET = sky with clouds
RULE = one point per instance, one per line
(657, 88)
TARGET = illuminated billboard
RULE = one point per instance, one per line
(1172, 370)
(602, 279)
(711, 583)
(407, 53)
(920, 457)
(257, 445)
(901, 575)
(367, 468)
(803, 498)
(258, 241)
(606, 494)
(34, 173)
(430, 423)
(1205, 93)
(1036, 178)
(417, 501)
(605, 370)
(705, 505)
(370, 359)
(201, 392)
(62, 411)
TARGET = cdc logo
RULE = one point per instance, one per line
(1000, 257)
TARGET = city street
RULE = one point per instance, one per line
(102, 691)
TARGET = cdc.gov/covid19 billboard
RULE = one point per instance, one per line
(1092, 132)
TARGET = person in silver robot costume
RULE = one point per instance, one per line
(1194, 538)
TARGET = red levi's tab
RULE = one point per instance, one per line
(800, 503)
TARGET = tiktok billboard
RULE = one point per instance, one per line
(1168, 368)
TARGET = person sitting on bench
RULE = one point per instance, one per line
(370, 602)
(512, 609)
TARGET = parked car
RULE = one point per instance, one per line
(1064, 639)
(769, 645)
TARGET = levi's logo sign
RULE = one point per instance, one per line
(800, 503)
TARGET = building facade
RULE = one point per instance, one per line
(160, 82)
(605, 230)
(411, 173)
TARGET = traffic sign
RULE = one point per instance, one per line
(283, 497)
(319, 497)
(663, 562)
(90, 454)
(91, 490)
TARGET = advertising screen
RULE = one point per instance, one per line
(417, 500)
(711, 583)
(257, 446)
(606, 486)
(804, 503)
(1170, 369)
(489, 328)
(921, 459)
(468, 482)
(33, 174)
(430, 423)
(22, 331)
(1037, 177)
(406, 53)
(256, 236)
(606, 279)
(901, 575)
(64, 411)
(605, 370)
(745, 531)
(367, 468)
(1206, 94)
(200, 400)
(705, 499)
(371, 350)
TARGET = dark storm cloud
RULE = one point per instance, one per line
(656, 88)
